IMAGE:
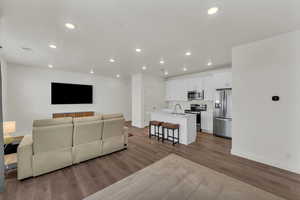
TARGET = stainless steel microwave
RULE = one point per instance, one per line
(195, 95)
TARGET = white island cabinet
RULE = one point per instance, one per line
(187, 125)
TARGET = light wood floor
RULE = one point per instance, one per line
(81, 180)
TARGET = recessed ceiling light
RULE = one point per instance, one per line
(188, 53)
(184, 69)
(162, 62)
(70, 26)
(138, 50)
(166, 73)
(92, 71)
(209, 63)
(52, 46)
(111, 60)
(50, 66)
(118, 75)
(144, 67)
(212, 10)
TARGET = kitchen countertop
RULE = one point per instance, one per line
(181, 115)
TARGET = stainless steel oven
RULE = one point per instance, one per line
(197, 109)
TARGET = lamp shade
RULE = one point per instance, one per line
(9, 127)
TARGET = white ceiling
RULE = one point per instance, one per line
(161, 28)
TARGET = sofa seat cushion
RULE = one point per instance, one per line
(52, 160)
(113, 144)
(87, 151)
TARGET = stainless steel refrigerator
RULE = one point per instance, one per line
(222, 113)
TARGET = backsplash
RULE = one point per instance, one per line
(186, 105)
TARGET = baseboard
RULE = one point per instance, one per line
(264, 160)
(207, 131)
(137, 125)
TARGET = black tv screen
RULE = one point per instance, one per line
(65, 93)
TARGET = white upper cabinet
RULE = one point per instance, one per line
(177, 89)
(199, 83)
(189, 84)
(193, 84)
(223, 80)
(208, 87)
(169, 91)
(180, 90)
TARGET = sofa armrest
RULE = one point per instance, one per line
(25, 152)
(126, 130)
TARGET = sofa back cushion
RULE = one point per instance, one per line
(87, 119)
(99, 115)
(52, 134)
(112, 116)
(52, 122)
(87, 129)
(113, 127)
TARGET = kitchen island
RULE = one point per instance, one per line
(187, 123)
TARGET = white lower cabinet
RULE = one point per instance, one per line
(207, 121)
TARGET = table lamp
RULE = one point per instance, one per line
(9, 127)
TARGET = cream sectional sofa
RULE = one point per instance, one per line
(61, 142)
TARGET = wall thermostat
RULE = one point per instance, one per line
(275, 98)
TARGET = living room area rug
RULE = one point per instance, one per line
(176, 178)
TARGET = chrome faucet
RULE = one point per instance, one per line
(175, 107)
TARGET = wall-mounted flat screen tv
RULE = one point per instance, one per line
(65, 93)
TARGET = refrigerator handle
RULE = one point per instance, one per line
(225, 110)
(223, 119)
(223, 104)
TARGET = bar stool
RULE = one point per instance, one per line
(174, 127)
(156, 125)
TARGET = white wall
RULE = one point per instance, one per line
(3, 101)
(29, 95)
(4, 87)
(148, 94)
(137, 100)
(154, 95)
(263, 130)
